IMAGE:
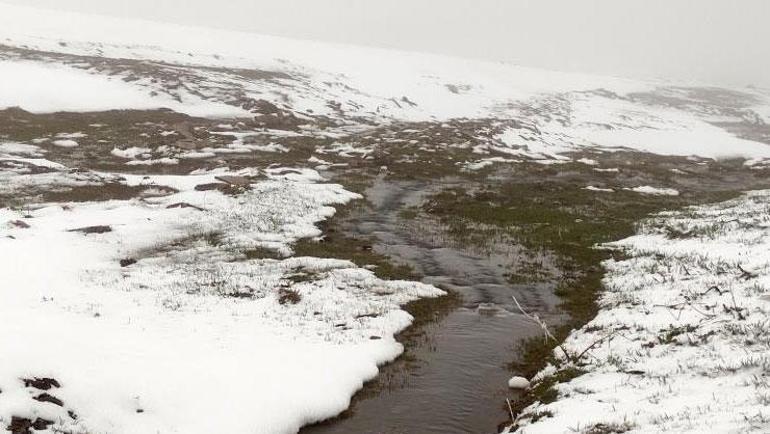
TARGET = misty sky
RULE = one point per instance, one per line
(712, 41)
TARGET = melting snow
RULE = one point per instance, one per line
(40, 88)
(680, 342)
(192, 337)
(65, 143)
(593, 188)
(646, 189)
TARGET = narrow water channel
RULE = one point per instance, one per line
(456, 379)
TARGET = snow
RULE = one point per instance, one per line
(167, 336)
(486, 162)
(526, 143)
(238, 144)
(65, 143)
(344, 150)
(680, 342)
(192, 155)
(153, 161)
(518, 383)
(20, 149)
(698, 139)
(562, 112)
(42, 88)
(655, 191)
(615, 123)
(385, 81)
(591, 122)
(77, 135)
(594, 188)
(130, 153)
(17, 176)
(194, 337)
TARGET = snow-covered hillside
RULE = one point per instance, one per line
(119, 63)
(155, 179)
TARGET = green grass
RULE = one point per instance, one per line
(358, 250)
(261, 253)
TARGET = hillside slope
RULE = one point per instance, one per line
(155, 181)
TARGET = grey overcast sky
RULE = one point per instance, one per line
(712, 41)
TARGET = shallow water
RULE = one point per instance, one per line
(455, 380)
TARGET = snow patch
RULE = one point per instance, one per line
(680, 341)
(65, 143)
(655, 191)
(189, 320)
(43, 88)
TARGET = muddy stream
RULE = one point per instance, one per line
(456, 379)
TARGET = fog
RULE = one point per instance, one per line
(722, 42)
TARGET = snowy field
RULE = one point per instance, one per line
(149, 316)
(681, 341)
(136, 294)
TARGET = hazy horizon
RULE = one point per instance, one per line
(707, 41)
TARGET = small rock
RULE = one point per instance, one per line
(101, 229)
(41, 383)
(20, 224)
(20, 425)
(45, 397)
(126, 262)
(518, 383)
